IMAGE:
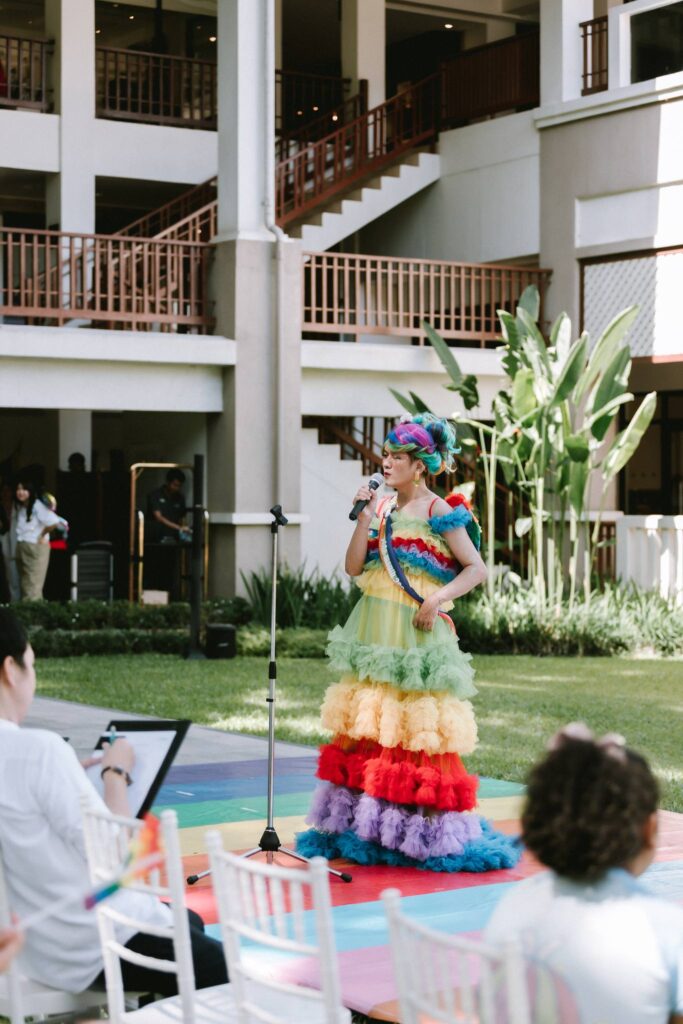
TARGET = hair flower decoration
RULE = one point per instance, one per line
(612, 743)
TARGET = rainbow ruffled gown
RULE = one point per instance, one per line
(394, 789)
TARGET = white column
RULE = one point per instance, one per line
(70, 195)
(561, 48)
(75, 435)
(254, 444)
(244, 136)
(363, 46)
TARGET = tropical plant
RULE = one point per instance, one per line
(552, 433)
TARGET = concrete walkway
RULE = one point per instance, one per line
(83, 725)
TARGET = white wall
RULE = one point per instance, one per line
(30, 140)
(484, 208)
(650, 553)
(67, 368)
(328, 484)
(154, 152)
(353, 379)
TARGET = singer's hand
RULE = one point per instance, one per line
(426, 614)
(366, 494)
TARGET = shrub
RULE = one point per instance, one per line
(63, 643)
(303, 599)
(93, 615)
(617, 621)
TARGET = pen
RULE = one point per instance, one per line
(112, 735)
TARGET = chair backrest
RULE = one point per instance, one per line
(451, 979)
(107, 838)
(266, 905)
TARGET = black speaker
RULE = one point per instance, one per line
(221, 640)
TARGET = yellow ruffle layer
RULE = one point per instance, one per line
(435, 723)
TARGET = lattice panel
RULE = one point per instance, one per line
(651, 282)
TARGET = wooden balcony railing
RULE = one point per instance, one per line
(156, 88)
(158, 221)
(359, 295)
(51, 278)
(594, 43)
(325, 168)
(22, 72)
(300, 98)
(490, 79)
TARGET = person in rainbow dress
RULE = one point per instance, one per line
(394, 787)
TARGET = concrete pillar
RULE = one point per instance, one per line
(70, 195)
(75, 435)
(244, 136)
(561, 48)
(254, 444)
(363, 46)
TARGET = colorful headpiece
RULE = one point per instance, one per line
(427, 438)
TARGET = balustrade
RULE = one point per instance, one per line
(156, 88)
(51, 278)
(22, 72)
(594, 44)
(353, 295)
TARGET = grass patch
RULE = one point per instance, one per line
(522, 700)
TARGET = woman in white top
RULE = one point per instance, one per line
(34, 522)
(591, 817)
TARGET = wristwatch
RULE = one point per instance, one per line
(118, 770)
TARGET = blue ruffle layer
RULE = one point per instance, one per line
(460, 516)
(490, 853)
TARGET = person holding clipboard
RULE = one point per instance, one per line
(43, 852)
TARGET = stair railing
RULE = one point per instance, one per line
(290, 142)
(155, 223)
(375, 140)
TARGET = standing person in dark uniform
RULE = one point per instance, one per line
(166, 509)
(164, 531)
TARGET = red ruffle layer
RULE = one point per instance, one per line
(398, 775)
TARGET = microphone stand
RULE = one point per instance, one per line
(269, 843)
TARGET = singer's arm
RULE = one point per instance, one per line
(358, 547)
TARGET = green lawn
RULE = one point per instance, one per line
(521, 701)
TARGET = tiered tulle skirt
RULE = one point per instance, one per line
(394, 789)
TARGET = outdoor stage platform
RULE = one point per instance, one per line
(232, 798)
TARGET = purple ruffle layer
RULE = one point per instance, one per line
(337, 809)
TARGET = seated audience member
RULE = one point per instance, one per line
(591, 817)
(42, 846)
(10, 944)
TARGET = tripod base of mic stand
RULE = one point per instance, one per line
(270, 844)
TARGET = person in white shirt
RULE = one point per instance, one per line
(591, 817)
(34, 523)
(43, 853)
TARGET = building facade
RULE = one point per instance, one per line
(222, 223)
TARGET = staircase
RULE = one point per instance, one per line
(340, 218)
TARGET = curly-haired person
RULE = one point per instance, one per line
(591, 817)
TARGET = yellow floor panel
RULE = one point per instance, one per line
(239, 835)
(501, 808)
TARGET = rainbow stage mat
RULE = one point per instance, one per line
(232, 798)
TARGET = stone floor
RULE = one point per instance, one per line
(83, 724)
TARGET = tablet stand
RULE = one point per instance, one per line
(269, 842)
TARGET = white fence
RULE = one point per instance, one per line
(650, 553)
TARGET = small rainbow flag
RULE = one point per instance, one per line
(145, 853)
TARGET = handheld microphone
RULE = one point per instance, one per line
(375, 481)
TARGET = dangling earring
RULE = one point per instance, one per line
(416, 481)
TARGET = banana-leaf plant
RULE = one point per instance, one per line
(552, 432)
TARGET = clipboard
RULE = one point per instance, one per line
(156, 744)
